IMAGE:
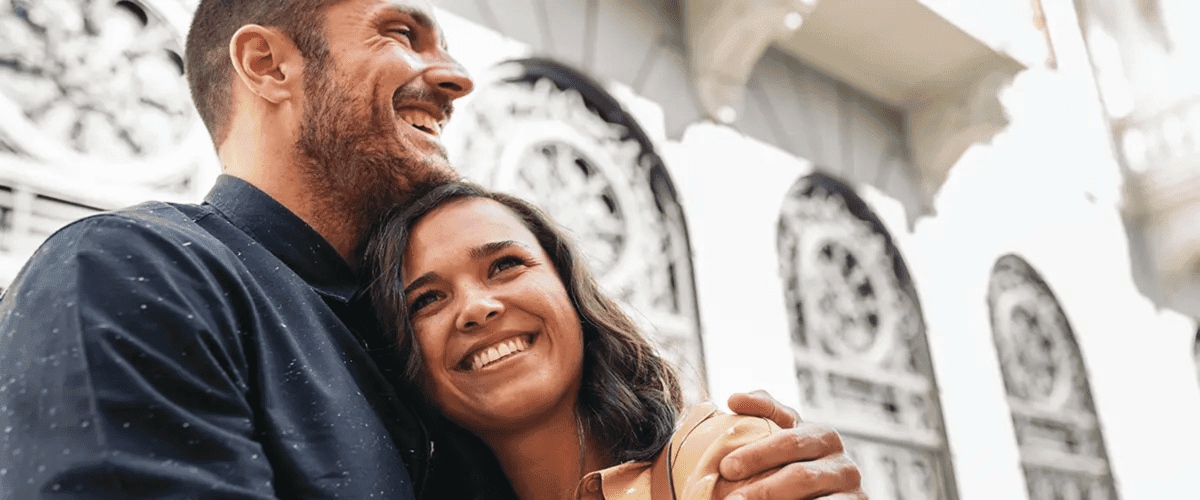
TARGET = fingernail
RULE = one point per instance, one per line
(735, 468)
(735, 496)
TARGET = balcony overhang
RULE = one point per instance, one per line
(898, 51)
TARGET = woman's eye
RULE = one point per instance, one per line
(421, 301)
(505, 263)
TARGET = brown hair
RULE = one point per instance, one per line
(209, 70)
(629, 397)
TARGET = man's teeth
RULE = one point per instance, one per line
(418, 118)
(499, 351)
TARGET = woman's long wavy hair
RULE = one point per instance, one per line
(629, 397)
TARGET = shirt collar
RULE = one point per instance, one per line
(285, 235)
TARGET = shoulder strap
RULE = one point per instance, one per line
(663, 485)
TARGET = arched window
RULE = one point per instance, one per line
(1196, 354)
(549, 134)
(1062, 449)
(858, 338)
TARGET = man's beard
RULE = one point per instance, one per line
(355, 172)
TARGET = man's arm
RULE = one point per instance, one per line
(123, 377)
(803, 461)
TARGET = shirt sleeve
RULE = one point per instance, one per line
(121, 370)
(697, 450)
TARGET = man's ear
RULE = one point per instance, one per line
(266, 62)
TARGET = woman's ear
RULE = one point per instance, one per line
(267, 63)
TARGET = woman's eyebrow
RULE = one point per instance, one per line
(478, 252)
(419, 282)
(494, 247)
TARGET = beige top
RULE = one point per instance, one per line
(688, 465)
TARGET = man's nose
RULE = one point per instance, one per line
(451, 78)
(480, 309)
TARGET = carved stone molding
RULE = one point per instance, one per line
(727, 38)
(898, 51)
(947, 123)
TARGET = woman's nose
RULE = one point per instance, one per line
(480, 309)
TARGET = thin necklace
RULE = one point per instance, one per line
(582, 443)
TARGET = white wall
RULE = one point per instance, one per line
(732, 188)
(1047, 189)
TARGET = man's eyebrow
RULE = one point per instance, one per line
(418, 15)
(422, 18)
(494, 247)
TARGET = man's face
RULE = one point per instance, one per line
(375, 108)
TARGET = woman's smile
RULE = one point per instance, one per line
(489, 356)
(498, 335)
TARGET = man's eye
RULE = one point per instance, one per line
(404, 32)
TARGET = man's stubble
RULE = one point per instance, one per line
(355, 171)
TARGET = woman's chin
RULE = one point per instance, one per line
(510, 409)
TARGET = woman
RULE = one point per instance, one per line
(506, 332)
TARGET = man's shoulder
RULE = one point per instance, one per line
(163, 224)
(150, 216)
(118, 256)
(152, 235)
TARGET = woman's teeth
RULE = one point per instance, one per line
(499, 351)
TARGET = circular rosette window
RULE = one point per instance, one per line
(94, 86)
(1031, 336)
(841, 276)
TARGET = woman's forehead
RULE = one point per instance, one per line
(464, 224)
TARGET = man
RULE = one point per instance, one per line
(219, 350)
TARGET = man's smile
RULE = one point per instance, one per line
(421, 120)
(422, 109)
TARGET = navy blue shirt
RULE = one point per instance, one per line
(197, 351)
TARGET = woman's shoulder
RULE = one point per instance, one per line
(706, 434)
(703, 436)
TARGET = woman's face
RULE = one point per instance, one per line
(499, 336)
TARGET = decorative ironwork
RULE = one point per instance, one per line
(101, 78)
(859, 343)
(1062, 449)
(551, 136)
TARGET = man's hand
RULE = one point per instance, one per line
(804, 462)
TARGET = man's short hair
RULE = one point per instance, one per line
(209, 70)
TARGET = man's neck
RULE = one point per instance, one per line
(336, 230)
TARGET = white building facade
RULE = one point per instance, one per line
(902, 217)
